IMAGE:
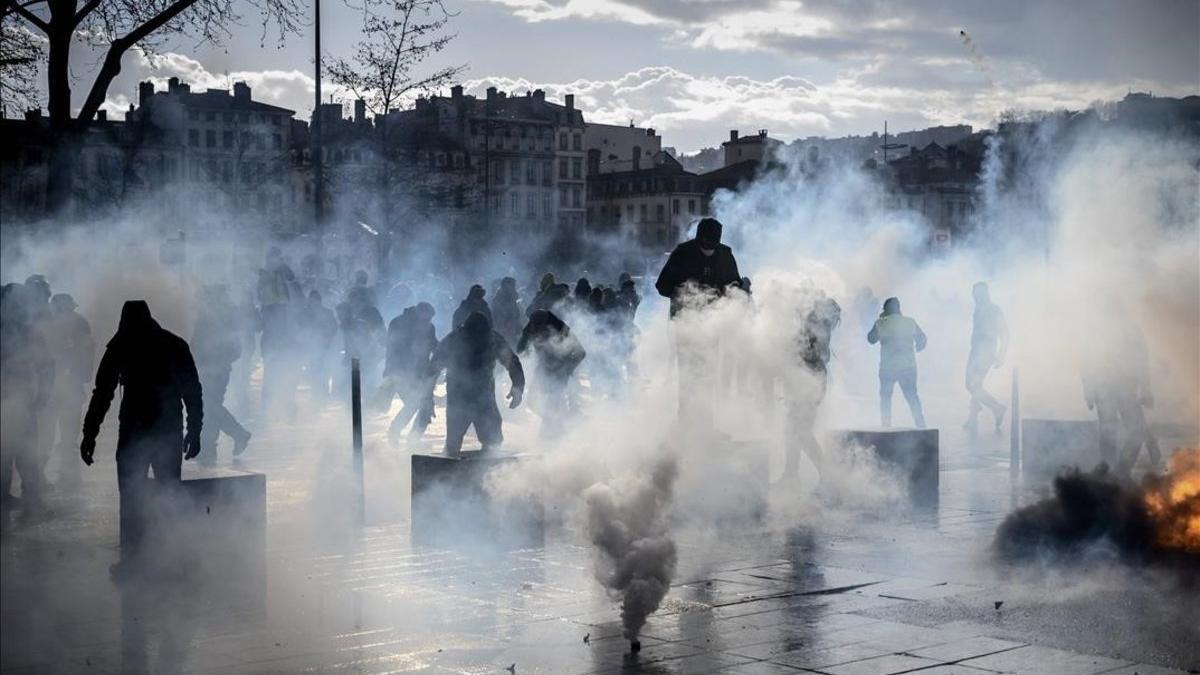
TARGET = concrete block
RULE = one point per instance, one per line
(1049, 445)
(911, 454)
(451, 505)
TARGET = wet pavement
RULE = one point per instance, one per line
(842, 593)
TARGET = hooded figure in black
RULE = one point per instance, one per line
(157, 375)
(558, 354)
(469, 355)
(474, 303)
(411, 340)
(506, 310)
(703, 262)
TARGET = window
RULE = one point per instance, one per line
(642, 213)
(243, 117)
(675, 207)
(548, 172)
(497, 171)
(530, 167)
(562, 141)
(514, 204)
(577, 167)
(562, 197)
(531, 205)
(194, 138)
(629, 212)
(577, 141)
(226, 139)
(547, 204)
(562, 167)
(210, 116)
(659, 213)
(277, 142)
(576, 197)
(692, 207)
(458, 159)
(514, 171)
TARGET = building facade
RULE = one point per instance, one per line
(612, 147)
(652, 206)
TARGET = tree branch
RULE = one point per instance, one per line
(13, 7)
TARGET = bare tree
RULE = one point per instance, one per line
(398, 36)
(115, 27)
(20, 55)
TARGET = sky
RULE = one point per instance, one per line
(694, 69)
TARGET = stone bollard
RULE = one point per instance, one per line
(452, 506)
(910, 453)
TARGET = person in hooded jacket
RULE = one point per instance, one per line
(899, 339)
(69, 337)
(558, 354)
(807, 391)
(703, 263)
(411, 341)
(506, 310)
(318, 326)
(158, 380)
(26, 377)
(216, 345)
(474, 303)
(469, 355)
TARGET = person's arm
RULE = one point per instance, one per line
(523, 342)
(735, 274)
(511, 363)
(873, 334)
(193, 401)
(437, 361)
(919, 338)
(668, 278)
(107, 376)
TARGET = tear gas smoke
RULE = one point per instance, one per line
(628, 524)
(1100, 514)
(977, 57)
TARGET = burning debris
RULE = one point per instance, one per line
(627, 521)
(1099, 511)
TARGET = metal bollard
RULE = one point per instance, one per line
(356, 422)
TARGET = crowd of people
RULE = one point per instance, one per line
(580, 335)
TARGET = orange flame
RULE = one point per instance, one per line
(1173, 502)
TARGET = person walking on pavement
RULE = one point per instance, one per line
(989, 344)
(899, 339)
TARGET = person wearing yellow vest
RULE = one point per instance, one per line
(899, 338)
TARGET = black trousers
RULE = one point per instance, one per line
(217, 418)
(480, 409)
(145, 501)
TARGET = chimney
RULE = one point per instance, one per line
(733, 135)
(101, 115)
(762, 133)
(650, 132)
(539, 95)
(145, 91)
(360, 111)
(241, 92)
(569, 100)
(637, 157)
(491, 94)
(422, 102)
(173, 85)
(456, 93)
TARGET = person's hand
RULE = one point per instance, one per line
(87, 450)
(191, 447)
(514, 397)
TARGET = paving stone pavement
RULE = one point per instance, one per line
(845, 594)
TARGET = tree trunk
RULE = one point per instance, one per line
(63, 151)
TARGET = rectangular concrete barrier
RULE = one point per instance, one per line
(911, 454)
(451, 505)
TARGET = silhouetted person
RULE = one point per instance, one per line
(318, 327)
(411, 341)
(26, 377)
(216, 345)
(629, 298)
(703, 263)
(249, 324)
(37, 299)
(697, 272)
(274, 298)
(807, 393)
(899, 338)
(364, 334)
(542, 299)
(158, 380)
(989, 344)
(469, 355)
(558, 354)
(581, 297)
(1117, 386)
(474, 303)
(506, 310)
(69, 338)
